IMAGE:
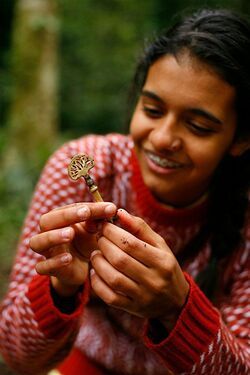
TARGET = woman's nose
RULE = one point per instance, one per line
(165, 135)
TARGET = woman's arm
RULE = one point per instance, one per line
(135, 271)
(35, 333)
(206, 340)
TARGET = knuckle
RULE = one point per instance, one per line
(51, 268)
(40, 268)
(161, 242)
(111, 300)
(76, 205)
(32, 243)
(120, 261)
(37, 268)
(141, 224)
(107, 229)
(66, 215)
(49, 238)
(128, 242)
(100, 240)
(116, 282)
(158, 286)
(42, 222)
(132, 243)
(169, 266)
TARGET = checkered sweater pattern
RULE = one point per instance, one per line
(207, 339)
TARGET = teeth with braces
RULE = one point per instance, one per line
(163, 162)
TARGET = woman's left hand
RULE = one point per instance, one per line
(134, 270)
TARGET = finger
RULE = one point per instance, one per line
(122, 261)
(116, 280)
(127, 242)
(76, 213)
(93, 226)
(45, 240)
(139, 228)
(103, 291)
(51, 266)
(76, 204)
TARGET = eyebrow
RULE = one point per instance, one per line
(195, 111)
(152, 95)
(206, 114)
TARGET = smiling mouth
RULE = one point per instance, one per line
(163, 162)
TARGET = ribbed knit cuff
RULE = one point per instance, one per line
(194, 331)
(51, 320)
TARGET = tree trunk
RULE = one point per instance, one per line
(32, 122)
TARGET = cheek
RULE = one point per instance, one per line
(207, 157)
(137, 129)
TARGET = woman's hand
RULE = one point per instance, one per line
(135, 270)
(68, 235)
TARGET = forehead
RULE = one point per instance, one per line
(186, 79)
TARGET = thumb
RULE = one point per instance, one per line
(139, 228)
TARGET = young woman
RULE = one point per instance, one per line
(95, 297)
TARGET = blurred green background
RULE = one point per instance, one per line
(65, 70)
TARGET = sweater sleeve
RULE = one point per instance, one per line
(34, 334)
(206, 340)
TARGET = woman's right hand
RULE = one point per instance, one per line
(67, 238)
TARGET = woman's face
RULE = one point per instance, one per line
(183, 125)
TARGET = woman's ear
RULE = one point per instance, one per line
(239, 147)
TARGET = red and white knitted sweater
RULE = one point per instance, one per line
(207, 339)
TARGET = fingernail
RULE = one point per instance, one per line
(122, 211)
(66, 258)
(92, 272)
(110, 210)
(82, 213)
(66, 233)
(94, 252)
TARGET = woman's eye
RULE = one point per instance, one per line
(152, 112)
(199, 129)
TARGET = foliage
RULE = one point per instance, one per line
(99, 41)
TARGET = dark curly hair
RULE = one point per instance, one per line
(221, 39)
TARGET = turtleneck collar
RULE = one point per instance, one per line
(150, 207)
